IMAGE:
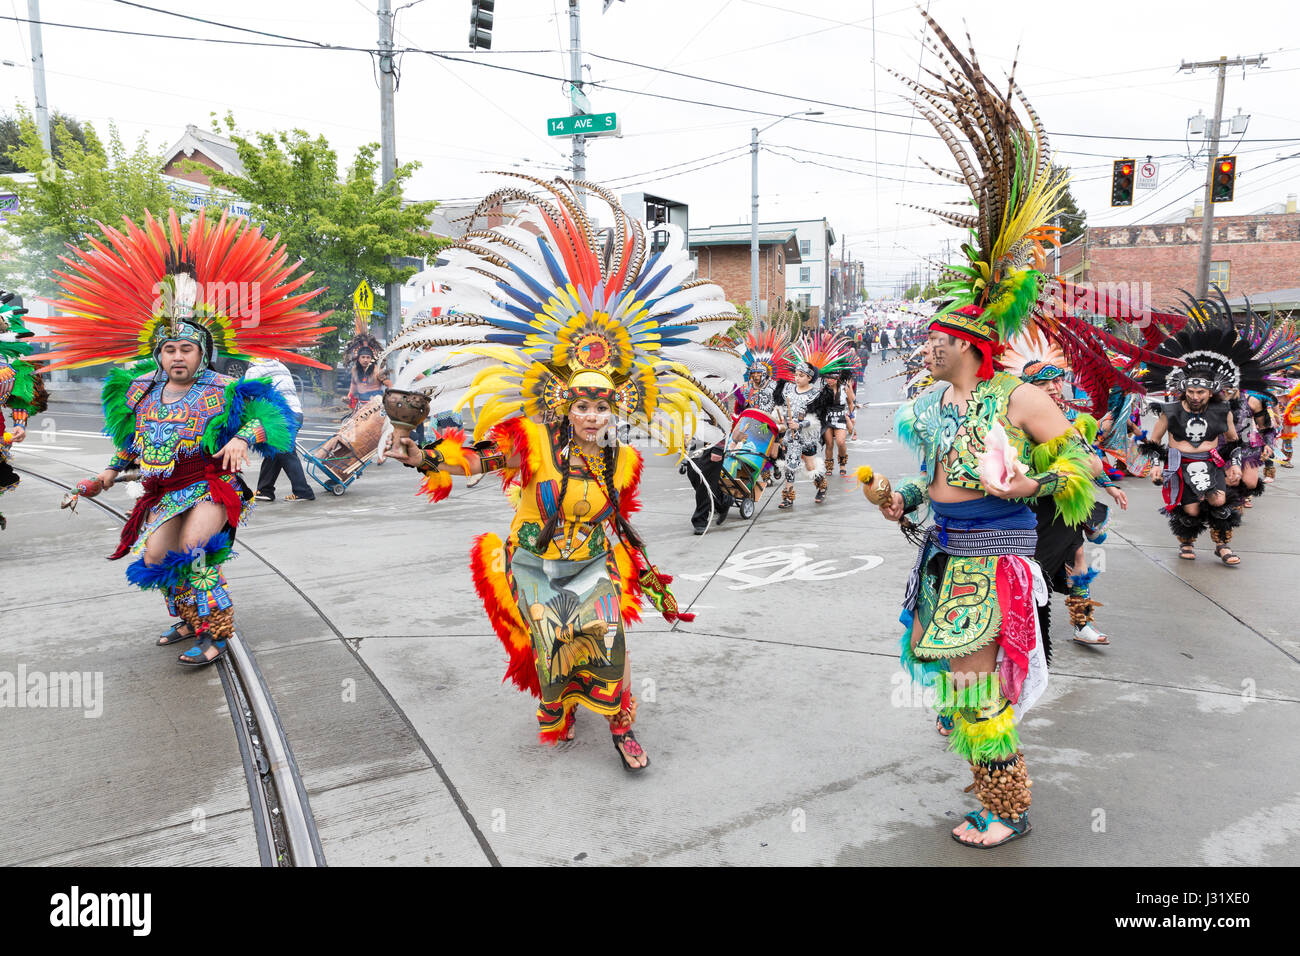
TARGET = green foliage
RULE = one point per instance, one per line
(11, 138)
(345, 227)
(913, 291)
(89, 182)
(1073, 220)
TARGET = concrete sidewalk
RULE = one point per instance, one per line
(778, 725)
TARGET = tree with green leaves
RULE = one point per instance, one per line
(345, 227)
(1073, 219)
(84, 182)
(11, 137)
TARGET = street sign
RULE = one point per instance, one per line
(363, 298)
(1147, 175)
(597, 124)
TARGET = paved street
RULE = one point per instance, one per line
(777, 723)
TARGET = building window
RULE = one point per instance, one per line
(1219, 274)
(805, 247)
(780, 260)
(805, 275)
(805, 300)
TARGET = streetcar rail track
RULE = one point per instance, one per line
(282, 819)
(352, 646)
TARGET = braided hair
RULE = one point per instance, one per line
(621, 524)
(548, 529)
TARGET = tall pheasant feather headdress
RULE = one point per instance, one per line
(223, 286)
(550, 307)
(1016, 192)
(766, 350)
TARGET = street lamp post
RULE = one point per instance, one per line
(753, 215)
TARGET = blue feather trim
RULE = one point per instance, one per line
(1083, 579)
(643, 291)
(175, 568)
(169, 574)
(552, 264)
(517, 313)
(648, 270)
(246, 390)
(539, 290)
(525, 300)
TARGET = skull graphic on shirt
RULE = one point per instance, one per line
(1198, 473)
(1196, 429)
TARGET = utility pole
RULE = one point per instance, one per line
(579, 156)
(38, 75)
(388, 141)
(1207, 216)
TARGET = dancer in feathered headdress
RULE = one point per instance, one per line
(560, 326)
(767, 365)
(177, 297)
(801, 408)
(21, 388)
(987, 442)
(1214, 448)
(367, 378)
(1059, 551)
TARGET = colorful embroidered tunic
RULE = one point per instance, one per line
(561, 611)
(173, 443)
(972, 583)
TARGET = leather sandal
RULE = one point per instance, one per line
(1231, 559)
(1187, 552)
(980, 820)
(625, 743)
(194, 656)
(174, 636)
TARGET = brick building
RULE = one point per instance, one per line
(1250, 254)
(209, 149)
(721, 254)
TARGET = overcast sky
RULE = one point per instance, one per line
(1106, 68)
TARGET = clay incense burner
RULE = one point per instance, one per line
(406, 410)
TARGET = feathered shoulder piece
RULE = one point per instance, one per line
(766, 348)
(552, 305)
(123, 292)
(824, 353)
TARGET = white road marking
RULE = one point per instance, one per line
(784, 564)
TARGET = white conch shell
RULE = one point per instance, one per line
(999, 465)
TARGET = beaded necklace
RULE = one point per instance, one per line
(595, 465)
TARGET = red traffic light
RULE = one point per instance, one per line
(1121, 182)
(1225, 179)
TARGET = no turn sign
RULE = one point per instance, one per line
(1147, 174)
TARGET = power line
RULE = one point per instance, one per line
(307, 44)
(215, 23)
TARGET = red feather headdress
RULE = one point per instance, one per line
(115, 294)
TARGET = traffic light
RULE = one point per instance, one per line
(480, 24)
(1121, 182)
(1225, 179)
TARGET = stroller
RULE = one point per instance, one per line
(746, 460)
